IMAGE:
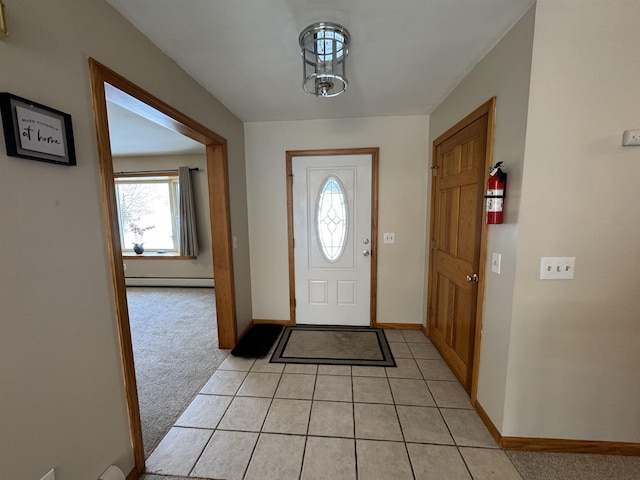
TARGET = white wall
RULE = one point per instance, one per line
(504, 72)
(199, 268)
(402, 207)
(62, 401)
(575, 345)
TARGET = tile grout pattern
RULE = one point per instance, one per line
(258, 420)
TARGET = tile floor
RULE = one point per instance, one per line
(258, 420)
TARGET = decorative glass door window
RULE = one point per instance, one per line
(332, 221)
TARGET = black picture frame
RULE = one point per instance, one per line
(36, 132)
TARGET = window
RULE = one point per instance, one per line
(148, 212)
(331, 218)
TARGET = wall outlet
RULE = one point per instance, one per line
(49, 476)
(389, 238)
(557, 268)
(631, 138)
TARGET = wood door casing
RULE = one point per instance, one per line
(375, 154)
(332, 291)
(460, 159)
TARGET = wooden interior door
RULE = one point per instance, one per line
(459, 162)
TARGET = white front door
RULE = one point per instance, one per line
(332, 239)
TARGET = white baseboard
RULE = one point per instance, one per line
(168, 282)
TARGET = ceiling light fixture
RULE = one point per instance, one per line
(324, 48)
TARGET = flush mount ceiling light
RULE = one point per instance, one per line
(324, 48)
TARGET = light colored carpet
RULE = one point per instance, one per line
(574, 466)
(175, 348)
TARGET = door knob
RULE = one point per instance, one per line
(365, 253)
(473, 278)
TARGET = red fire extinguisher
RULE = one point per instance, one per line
(496, 186)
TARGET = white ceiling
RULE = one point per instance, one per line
(405, 55)
(133, 135)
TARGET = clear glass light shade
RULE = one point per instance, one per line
(324, 48)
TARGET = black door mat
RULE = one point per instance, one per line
(257, 342)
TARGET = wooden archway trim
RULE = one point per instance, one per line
(143, 103)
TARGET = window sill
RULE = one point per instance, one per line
(157, 256)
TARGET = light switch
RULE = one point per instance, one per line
(557, 268)
(496, 259)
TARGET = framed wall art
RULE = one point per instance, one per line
(36, 132)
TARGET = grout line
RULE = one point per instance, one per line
(306, 435)
(353, 416)
(264, 420)
(464, 461)
(253, 451)
(304, 453)
(202, 452)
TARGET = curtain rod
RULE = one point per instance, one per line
(138, 172)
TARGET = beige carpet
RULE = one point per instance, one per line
(175, 349)
(574, 466)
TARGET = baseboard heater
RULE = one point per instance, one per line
(168, 282)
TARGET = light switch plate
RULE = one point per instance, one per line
(557, 268)
(496, 260)
(389, 238)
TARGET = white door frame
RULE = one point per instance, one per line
(290, 158)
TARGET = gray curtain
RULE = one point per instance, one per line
(188, 231)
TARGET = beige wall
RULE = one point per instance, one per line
(402, 207)
(559, 358)
(63, 402)
(575, 345)
(503, 73)
(200, 268)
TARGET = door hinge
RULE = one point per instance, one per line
(294, 303)
(293, 242)
(433, 244)
(434, 170)
(291, 178)
(429, 312)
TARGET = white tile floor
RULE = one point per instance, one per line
(258, 420)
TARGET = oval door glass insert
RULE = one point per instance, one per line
(331, 215)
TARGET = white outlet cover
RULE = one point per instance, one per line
(630, 138)
(49, 476)
(389, 238)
